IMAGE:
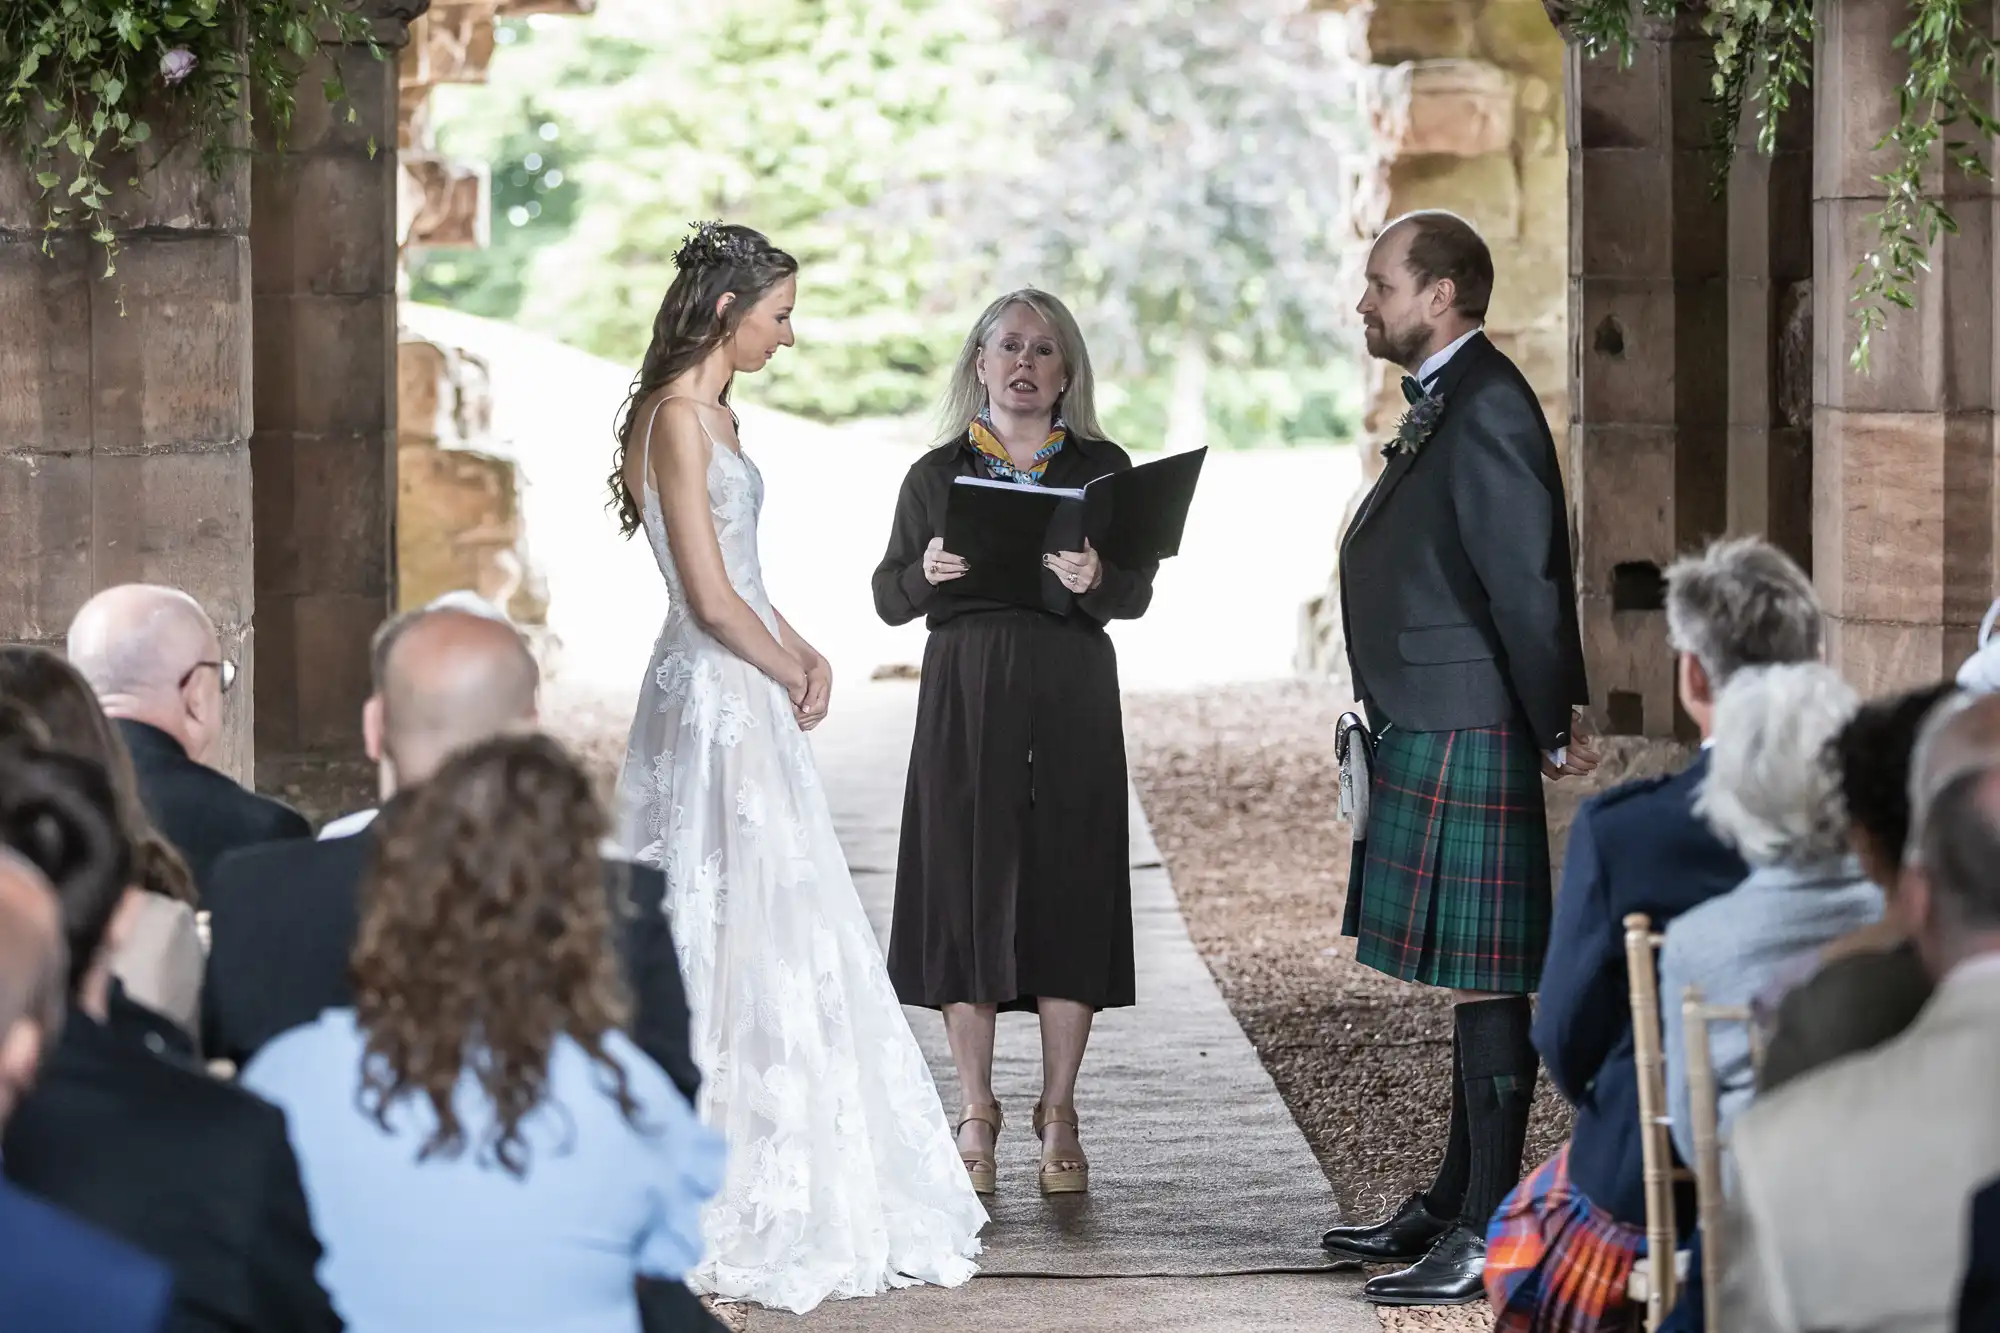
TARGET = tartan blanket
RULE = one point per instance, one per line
(1555, 1262)
(1451, 885)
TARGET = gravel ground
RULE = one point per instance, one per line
(1240, 786)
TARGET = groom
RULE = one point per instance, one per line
(1462, 638)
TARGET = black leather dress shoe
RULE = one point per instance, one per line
(1448, 1275)
(1403, 1239)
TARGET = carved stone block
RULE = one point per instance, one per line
(1458, 108)
(45, 543)
(1389, 32)
(181, 519)
(1904, 516)
(45, 355)
(325, 363)
(325, 224)
(173, 370)
(445, 204)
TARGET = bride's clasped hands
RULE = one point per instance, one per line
(812, 693)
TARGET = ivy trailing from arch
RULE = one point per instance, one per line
(95, 89)
(1763, 55)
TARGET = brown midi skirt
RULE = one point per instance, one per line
(1014, 875)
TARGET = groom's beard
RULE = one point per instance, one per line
(1398, 347)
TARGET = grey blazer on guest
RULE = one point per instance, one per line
(1736, 948)
(1854, 1183)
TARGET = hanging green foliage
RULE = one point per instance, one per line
(89, 87)
(1763, 54)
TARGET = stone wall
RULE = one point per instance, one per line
(1906, 501)
(458, 517)
(1465, 106)
(125, 410)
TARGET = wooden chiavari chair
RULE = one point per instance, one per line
(1654, 1284)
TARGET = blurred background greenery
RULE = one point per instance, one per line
(1160, 164)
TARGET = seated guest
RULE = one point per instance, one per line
(283, 917)
(155, 661)
(159, 966)
(1772, 793)
(1979, 1294)
(1854, 1184)
(1870, 983)
(1637, 848)
(192, 1170)
(483, 1148)
(57, 1275)
(469, 602)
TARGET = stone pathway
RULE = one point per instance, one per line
(1201, 1183)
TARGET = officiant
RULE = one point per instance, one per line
(1013, 883)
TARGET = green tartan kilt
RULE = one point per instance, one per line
(1451, 886)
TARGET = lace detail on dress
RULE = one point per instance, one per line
(843, 1177)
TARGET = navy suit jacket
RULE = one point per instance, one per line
(1979, 1297)
(61, 1275)
(1636, 848)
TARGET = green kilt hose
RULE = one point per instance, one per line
(1451, 886)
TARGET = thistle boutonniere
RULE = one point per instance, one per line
(1416, 426)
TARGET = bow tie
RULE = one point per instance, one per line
(1412, 391)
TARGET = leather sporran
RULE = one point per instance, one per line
(1354, 748)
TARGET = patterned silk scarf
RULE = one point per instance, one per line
(994, 454)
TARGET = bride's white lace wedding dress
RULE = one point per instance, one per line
(843, 1177)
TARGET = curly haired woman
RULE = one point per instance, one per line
(483, 1148)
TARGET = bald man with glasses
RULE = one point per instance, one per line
(156, 661)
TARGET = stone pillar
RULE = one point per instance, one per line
(1903, 512)
(324, 239)
(1464, 98)
(1649, 316)
(1770, 335)
(125, 410)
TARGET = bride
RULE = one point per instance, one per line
(843, 1178)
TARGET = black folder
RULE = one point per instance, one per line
(1003, 529)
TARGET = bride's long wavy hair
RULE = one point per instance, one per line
(717, 260)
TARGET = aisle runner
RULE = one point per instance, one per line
(1196, 1166)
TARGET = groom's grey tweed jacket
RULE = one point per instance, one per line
(1455, 580)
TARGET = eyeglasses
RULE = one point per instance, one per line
(225, 669)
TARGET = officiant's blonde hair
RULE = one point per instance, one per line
(966, 397)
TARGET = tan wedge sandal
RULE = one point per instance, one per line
(981, 1168)
(1064, 1173)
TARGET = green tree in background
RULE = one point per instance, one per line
(1169, 167)
(535, 193)
(831, 125)
(1190, 199)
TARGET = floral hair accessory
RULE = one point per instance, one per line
(711, 245)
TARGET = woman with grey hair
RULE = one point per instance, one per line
(1012, 885)
(1773, 793)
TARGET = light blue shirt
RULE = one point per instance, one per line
(1738, 948)
(460, 1243)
